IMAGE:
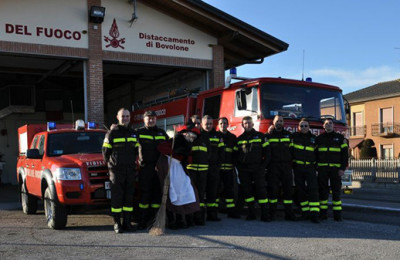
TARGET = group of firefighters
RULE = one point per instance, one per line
(262, 165)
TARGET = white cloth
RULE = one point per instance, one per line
(180, 189)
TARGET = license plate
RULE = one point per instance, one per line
(107, 185)
(108, 193)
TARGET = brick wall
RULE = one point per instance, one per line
(217, 77)
(95, 90)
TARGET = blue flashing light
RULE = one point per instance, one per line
(308, 79)
(51, 126)
(91, 125)
(233, 71)
(81, 186)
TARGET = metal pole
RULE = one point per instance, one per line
(85, 90)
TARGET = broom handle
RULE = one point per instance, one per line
(167, 180)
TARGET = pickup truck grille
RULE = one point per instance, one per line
(97, 168)
(98, 174)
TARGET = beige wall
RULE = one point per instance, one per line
(371, 111)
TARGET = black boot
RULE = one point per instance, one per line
(337, 215)
(252, 214)
(233, 213)
(212, 214)
(264, 212)
(180, 221)
(117, 223)
(189, 220)
(272, 211)
(126, 225)
(171, 220)
(143, 219)
(289, 214)
(305, 215)
(199, 217)
(314, 217)
(323, 214)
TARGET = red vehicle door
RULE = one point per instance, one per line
(36, 169)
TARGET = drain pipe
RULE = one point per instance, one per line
(85, 102)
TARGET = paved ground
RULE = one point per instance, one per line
(89, 235)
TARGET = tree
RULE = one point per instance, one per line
(368, 151)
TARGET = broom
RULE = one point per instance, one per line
(158, 227)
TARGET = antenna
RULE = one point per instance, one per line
(302, 74)
(72, 111)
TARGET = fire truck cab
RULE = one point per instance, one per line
(262, 99)
(62, 166)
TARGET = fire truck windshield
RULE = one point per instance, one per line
(74, 143)
(294, 101)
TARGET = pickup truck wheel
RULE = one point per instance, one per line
(29, 202)
(56, 214)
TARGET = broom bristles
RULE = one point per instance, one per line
(158, 227)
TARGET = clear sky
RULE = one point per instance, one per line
(351, 44)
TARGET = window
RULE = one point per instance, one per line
(251, 95)
(33, 145)
(294, 101)
(41, 145)
(358, 128)
(386, 120)
(211, 106)
(74, 143)
(168, 123)
(387, 151)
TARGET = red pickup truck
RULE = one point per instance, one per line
(63, 166)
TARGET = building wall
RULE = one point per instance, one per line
(371, 111)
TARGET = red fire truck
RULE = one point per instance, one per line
(63, 166)
(262, 99)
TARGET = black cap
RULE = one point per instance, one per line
(149, 113)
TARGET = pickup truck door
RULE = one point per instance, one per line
(29, 167)
(36, 167)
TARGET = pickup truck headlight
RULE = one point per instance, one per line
(70, 174)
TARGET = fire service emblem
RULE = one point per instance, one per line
(114, 41)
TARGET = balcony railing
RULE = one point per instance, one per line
(386, 129)
(358, 130)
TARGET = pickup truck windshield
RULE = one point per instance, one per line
(74, 143)
(294, 101)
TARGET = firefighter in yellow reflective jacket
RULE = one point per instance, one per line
(305, 177)
(198, 170)
(332, 159)
(149, 137)
(253, 154)
(280, 169)
(216, 155)
(227, 174)
(119, 152)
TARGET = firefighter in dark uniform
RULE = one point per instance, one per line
(305, 176)
(198, 170)
(227, 174)
(253, 154)
(119, 151)
(149, 137)
(215, 154)
(332, 159)
(280, 169)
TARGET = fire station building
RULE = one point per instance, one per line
(64, 60)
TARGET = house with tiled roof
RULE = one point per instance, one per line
(375, 114)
